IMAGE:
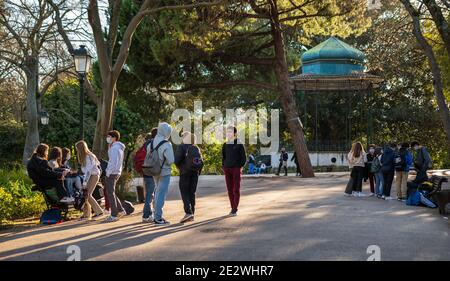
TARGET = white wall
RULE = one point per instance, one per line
(317, 159)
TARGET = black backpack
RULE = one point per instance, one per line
(79, 200)
(400, 161)
(193, 161)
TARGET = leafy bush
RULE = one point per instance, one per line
(17, 201)
(12, 141)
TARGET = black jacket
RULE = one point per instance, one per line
(233, 155)
(180, 157)
(39, 170)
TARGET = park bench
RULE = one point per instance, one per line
(51, 199)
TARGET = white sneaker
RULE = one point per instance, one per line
(354, 194)
(187, 218)
(383, 197)
(388, 198)
(347, 194)
(371, 194)
(148, 220)
(111, 219)
(67, 200)
(360, 194)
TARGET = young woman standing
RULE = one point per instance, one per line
(90, 167)
(356, 161)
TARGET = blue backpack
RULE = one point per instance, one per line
(51, 216)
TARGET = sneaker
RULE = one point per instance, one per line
(354, 194)
(96, 216)
(161, 222)
(67, 200)
(111, 219)
(388, 198)
(371, 194)
(383, 197)
(148, 220)
(360, 194)
(233, 214)
(186, 218)
(347, 194)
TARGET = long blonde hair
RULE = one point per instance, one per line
(82, 152)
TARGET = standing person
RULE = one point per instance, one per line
(251, 164)
(375, 169)
(90, 167)
(163, 147)
(370, 175)
(189, 162)
(113, 171)
(233, 160)
(283, 161)
(297, 166)
(44, 176)
(402, 166)
(149, 183)
(422, 161)
(72, 181)
(388, 169)
(356, 162)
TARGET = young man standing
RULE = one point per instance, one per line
(388, 170)
(233, 161)
(402, 167)
(422, 161)
(113, 171)
(149, 183)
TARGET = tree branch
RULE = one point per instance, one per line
(221, 85)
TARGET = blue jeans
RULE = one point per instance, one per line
(72, 184)
(149, 184)
(379, 182)
(161, 191)
(251, 168)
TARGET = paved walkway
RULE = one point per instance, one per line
(279, 219)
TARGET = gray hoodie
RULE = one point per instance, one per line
(115, 162)
(165, 151)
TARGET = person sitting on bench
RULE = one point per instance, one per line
(44, 176)
(72, 180)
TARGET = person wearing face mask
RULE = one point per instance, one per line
(388, 169)
(368, 174)
(113, 171)
(166, 155)
(233, 161)
(422, 161)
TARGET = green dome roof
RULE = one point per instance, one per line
(332, 48)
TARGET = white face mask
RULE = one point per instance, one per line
(371, 150)
(416, 147)
(109, 140)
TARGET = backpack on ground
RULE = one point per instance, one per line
(193, 161)
(51, 216)
(413, 199)
(376, 165)
(139, 158)
(128, 207)
(152, 164)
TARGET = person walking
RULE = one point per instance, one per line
(283, 161)
(90, 168)
(297, 166)
(113, 172)
(388, 169)
(163, 147)
(188, 160)
(233, 161)
(356, 162)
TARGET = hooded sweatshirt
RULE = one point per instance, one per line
(115, 154)
(165, 151)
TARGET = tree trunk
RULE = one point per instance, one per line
(435, 69)
(104, 119)
(287, 98)
(32, 138)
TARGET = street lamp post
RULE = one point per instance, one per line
(43, 115)
(82, 61)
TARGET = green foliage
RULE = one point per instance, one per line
(12, 141)
(17, 201)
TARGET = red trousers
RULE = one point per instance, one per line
(233, 181)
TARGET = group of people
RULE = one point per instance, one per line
(255, 167)
(52, 169)
(381, 165)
